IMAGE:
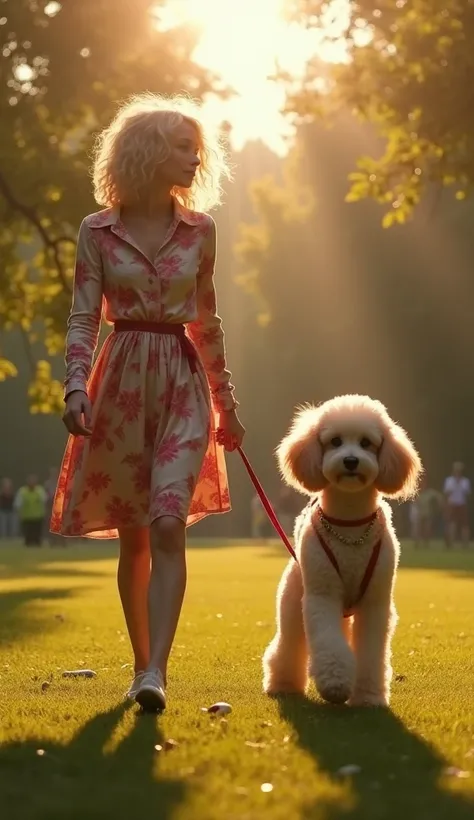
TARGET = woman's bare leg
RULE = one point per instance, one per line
(167, 587)
(133, 578)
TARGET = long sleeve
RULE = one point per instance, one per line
(206, 332)
(84, 318)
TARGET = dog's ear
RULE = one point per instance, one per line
(400, 466)
(300, 453)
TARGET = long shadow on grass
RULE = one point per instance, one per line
(399, 772)
(85, 779)
(17, 619)
(19, 562)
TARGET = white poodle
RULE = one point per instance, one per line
(335, 608)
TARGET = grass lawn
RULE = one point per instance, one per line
(59, 610)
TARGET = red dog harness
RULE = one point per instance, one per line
(332, 558)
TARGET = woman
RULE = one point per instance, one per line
(144, 458)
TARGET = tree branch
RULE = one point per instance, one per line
(31, 215)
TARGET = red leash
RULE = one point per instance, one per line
(266, 504)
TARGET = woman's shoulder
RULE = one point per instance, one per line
(195, 218)
(99, 219)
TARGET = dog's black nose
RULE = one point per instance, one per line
(351, 463)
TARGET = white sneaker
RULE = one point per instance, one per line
(135, 685)
(151, 692)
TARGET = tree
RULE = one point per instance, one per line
(408, 71)
(63, 67)
(350, 307)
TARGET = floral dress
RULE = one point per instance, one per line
(152, 451)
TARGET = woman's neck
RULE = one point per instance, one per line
(160, 205)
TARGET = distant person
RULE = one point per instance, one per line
(457, 492)
(7, 509)
(287, 509)
(424, 512)
(30, 504)
(258, 518)
(54, 539)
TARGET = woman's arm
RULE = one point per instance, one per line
(84, 318)
(206, 332)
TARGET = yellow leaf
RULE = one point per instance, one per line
(7, 370)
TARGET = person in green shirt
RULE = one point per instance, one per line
(425, 508)
(30, 503)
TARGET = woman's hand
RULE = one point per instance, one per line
(231, 432)
(78, 412)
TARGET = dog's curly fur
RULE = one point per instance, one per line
(349, 659)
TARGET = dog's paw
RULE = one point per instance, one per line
(361, 698)
(336, 693)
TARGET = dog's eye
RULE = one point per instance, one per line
(365, 443)
(336, 441)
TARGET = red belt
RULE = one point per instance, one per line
(166, 329)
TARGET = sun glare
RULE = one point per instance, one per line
(244, 41)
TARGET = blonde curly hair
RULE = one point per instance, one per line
(129, 150)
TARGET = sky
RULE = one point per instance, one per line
(243, 41)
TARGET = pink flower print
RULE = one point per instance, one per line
(101, 218)
(194, 445)
(198, 506)
(120, 229)
(167, 503)
(151, 297)
(126, 297)
(153, 360)
(209, 301)
(77, 454)
(82, 274)
(218, 365)
(167, 396)
(189, 306)
(130, 403)
(113, 385)
(142, 478)
(168, 450)
(169, 265)
(98, 482)
(120, 513)
(77, 350)
(78, 522)
(209, 470)
(133, 459)
(55, 523)
(100, 433)
(206, 266)
(222, 497)
(179, 402)
(109, 246)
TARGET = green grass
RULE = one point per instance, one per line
(59, 610)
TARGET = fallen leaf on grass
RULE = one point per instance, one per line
(253, 745)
